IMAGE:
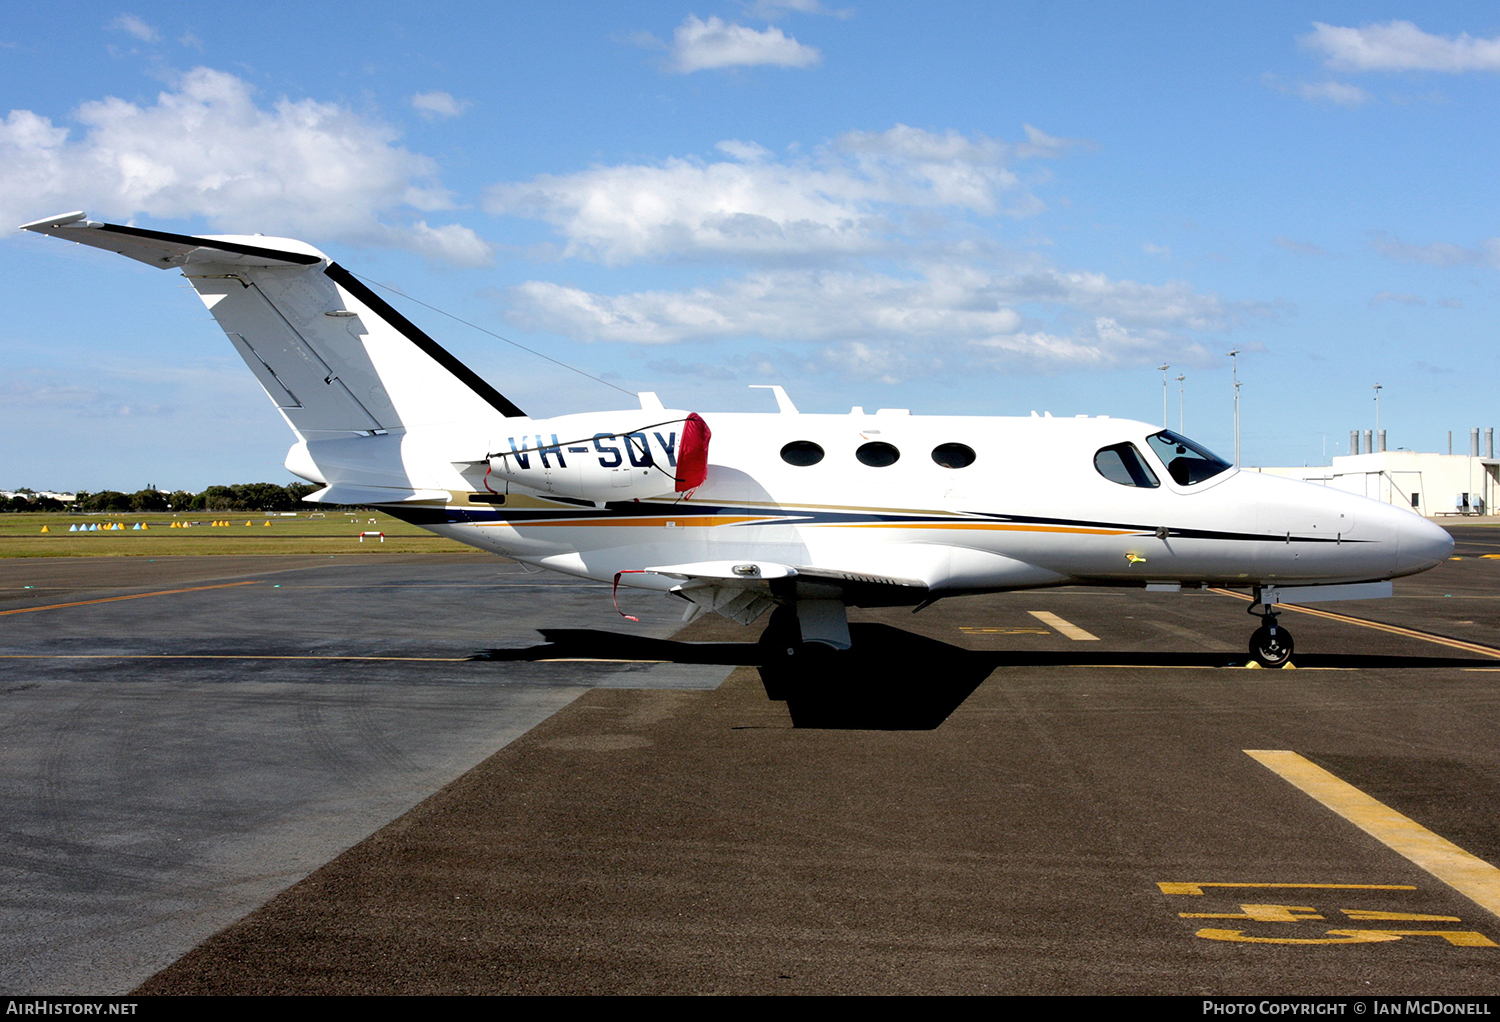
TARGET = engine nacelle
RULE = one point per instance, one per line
(606, 460)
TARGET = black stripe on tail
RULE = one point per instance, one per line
(346, 280)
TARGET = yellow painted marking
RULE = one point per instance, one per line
(1411, 633)
(1365, 915)
(1261, 913)
(1337, 937)
(1471, 876)
(1003, 631)
(1458, 938)
(137, 596)
(1196, 887)
(1489, 557)
(1067, 628)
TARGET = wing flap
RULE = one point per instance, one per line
(745, 574)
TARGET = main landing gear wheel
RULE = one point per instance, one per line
(1271, 645)
(780, 646)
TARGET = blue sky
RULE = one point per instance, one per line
(956, 208)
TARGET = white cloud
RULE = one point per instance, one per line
(135, 26)
(1400, 299)
(1438, 253)
(435, 104)
(746, 152)
(1401, 46)
(704, 45)
(842, 200)
(208, 150)
(874, 260)
(1340, 93)
(950, 317)
(1281, 241)
(452, 243)
(770, 10)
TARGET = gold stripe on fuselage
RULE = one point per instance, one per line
(711, 521)
(990, 527)
(683, 522)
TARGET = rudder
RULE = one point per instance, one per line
(333, 356)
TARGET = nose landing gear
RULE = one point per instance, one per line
(1270, 645)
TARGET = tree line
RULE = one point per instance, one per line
(239, 497)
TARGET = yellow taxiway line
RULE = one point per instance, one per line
(136, 596)
(1470, 875)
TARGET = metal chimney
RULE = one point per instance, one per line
(1380, 440)
(1354, 441)
(1369, 442)
(1474, 442)
(1489, 441)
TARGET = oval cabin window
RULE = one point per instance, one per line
(877, 454)
(802, 453)
(953, 455)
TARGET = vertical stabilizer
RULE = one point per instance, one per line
(331, 355)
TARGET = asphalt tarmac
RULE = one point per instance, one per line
(1045, 792)
(183, 738)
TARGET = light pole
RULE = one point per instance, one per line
(1378, 389)
(1235, 366)
(1163, 367)
(1180, 413)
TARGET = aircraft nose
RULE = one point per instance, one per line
(1421, 545)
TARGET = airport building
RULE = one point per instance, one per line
(66, 498)
(1431, 484)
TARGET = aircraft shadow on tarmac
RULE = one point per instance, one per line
(893, 680)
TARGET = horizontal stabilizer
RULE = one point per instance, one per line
(348, 493)
(165, 251)
(334, 358)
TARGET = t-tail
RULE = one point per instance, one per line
(337, 361)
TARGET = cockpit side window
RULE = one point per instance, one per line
(1187, 463)
(1123, 464)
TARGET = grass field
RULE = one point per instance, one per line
(334, 532)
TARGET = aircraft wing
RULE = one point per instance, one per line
(744, 590)
(164, 251)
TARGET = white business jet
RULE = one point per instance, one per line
(802, 515)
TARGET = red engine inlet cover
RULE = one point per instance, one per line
(692, 457)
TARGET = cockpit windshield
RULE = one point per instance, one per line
(1187, 463)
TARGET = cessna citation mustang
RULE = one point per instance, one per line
(801, 515)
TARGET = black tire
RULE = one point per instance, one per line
(780, 645)
(1271, 650)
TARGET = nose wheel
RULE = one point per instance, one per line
(1271, 645)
